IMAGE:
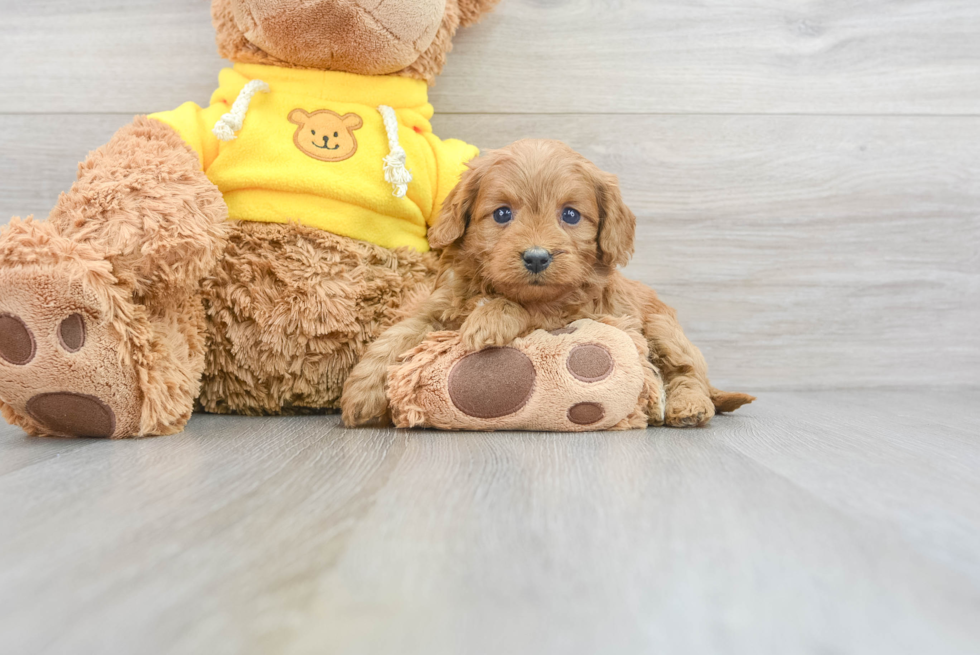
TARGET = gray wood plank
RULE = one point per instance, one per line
(741, 56)
(131, 57)
(925, 444)
(17, 450)
(582, 56)
(801, 252)
(827, 522)
(165, 488)
(39, 157)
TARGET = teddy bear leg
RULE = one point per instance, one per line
(101, 321)
(290, 310)
(78, 357)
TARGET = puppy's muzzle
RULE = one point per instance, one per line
(536, 259)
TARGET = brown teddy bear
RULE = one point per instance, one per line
(138, 298)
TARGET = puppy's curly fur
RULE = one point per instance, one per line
(487, 290)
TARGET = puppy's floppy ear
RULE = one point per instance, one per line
(456, 209)
(617, 223)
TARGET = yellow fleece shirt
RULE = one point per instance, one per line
(312, 150)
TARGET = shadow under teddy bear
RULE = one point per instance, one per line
(138, 298)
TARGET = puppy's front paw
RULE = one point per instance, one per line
(495, 323)
(687, 408)
(475, 336)
(364, 403)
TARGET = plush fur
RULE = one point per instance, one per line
(142, 201)
(181, 306)
(290, 308)
(488, 293)
(129, 243)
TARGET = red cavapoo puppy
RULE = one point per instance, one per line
(532, 236)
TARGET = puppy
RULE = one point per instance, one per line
(532, 237)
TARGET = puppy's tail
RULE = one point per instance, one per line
(725, 401)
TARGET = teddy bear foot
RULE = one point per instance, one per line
(61, 362)
(588, 376)
(61, 372)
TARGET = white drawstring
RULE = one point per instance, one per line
(395, 171)
(231, 122)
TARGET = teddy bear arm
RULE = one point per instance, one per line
(143, 200)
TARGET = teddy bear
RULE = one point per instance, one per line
(236, 258)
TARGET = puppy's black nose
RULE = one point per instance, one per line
(536, 259)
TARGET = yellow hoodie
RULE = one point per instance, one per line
(311, 146)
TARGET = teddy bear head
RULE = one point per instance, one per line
(368, 37)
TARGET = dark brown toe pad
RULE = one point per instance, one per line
(71, 333)
(590, 363)
(492, 383)
(72, 414)
(16, 341)
(586, 413)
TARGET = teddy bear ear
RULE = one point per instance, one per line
(298, 116)
(352, 121)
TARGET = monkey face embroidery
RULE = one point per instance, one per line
(325, 135)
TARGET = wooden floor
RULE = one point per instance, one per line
(805, 176)
(830, 522)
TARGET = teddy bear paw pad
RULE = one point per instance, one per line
(72, 414)
(586, 413)
(590, 363)
(61, 373)
(491, 383)
(17, 344)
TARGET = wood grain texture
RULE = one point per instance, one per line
(137, 56)
(741, 56)
(800, 252)
(534, 56)
(841, 522)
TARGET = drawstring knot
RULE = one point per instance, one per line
(396, 172)
(232, 122)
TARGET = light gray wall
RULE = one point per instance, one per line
(806, 174)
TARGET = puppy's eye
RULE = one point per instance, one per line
(570, 216)
(336, 134)
(503, 215)
(313, 132)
